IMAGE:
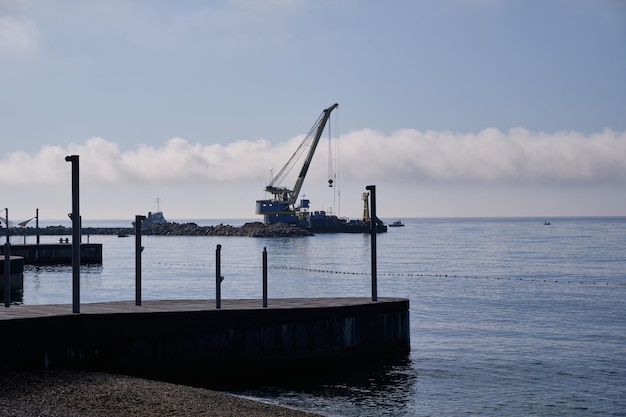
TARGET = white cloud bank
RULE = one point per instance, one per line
(490, 156)
(406, 162)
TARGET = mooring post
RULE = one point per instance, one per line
(218, 277)
(373, 232)
(7, 265)
(7, 275)
(37, 229)
(37, 224)
(75, 216)
(138, 250)
(264, 276)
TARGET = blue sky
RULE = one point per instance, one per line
(470, 107)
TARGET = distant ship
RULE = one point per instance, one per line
(282, 206)
(154, 218)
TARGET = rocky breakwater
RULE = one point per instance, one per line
(253, 229)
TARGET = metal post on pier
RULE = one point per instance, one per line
(7, 275)
(7, 265)
(373, 232)
(218, 277)
(37, 224)
(264, 276)
(75, 216)
(7, 224)
(37, 230)
(138, 249)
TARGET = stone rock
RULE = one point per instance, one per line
(252, 229)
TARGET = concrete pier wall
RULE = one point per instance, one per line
(17, 273)
(239, 340)
(56, 253)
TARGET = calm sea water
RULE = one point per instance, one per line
(508, 317)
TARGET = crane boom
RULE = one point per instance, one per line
(307, 162)
(282, 206)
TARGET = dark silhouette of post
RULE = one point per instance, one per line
(7, 275)
(37, 230)
(7, 265)
(37, 225)
(373, 232)
(7, 224)
(138, 250)
(218, 277)
(264, 276)
(75, 216)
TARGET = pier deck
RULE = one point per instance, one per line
(181, 339)
(180, 306)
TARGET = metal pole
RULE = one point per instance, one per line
(7, 221)
(373, 232)
(7, 266)
(75, 216)
(37, 224)
(264, 276)
(37, 230)
(218, 277)
(7, 275)
(138, 250)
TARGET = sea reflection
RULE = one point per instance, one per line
(386, 387)
(52, 284)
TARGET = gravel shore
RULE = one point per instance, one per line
(92, 394)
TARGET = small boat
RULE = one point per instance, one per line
(121, 233)
(397, 223)
(546, 223)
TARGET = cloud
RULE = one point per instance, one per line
(18, 37)
(491, 156)
(432, 173)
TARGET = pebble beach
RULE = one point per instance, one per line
(91, 394)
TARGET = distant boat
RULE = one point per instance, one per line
(546, 223)
(397, 223)
(153, 218)
(121, 233)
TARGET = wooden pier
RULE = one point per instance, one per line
(191, 339)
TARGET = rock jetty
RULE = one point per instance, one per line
(253, 229)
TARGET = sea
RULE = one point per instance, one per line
(508, 316)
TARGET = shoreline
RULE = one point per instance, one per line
(63, 393)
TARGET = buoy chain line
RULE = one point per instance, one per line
(389, 274)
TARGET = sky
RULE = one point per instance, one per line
(452, 108)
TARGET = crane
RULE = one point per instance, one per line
(282, 206)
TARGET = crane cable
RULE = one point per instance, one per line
(331, 180)
(286, 169)
(337, 178)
